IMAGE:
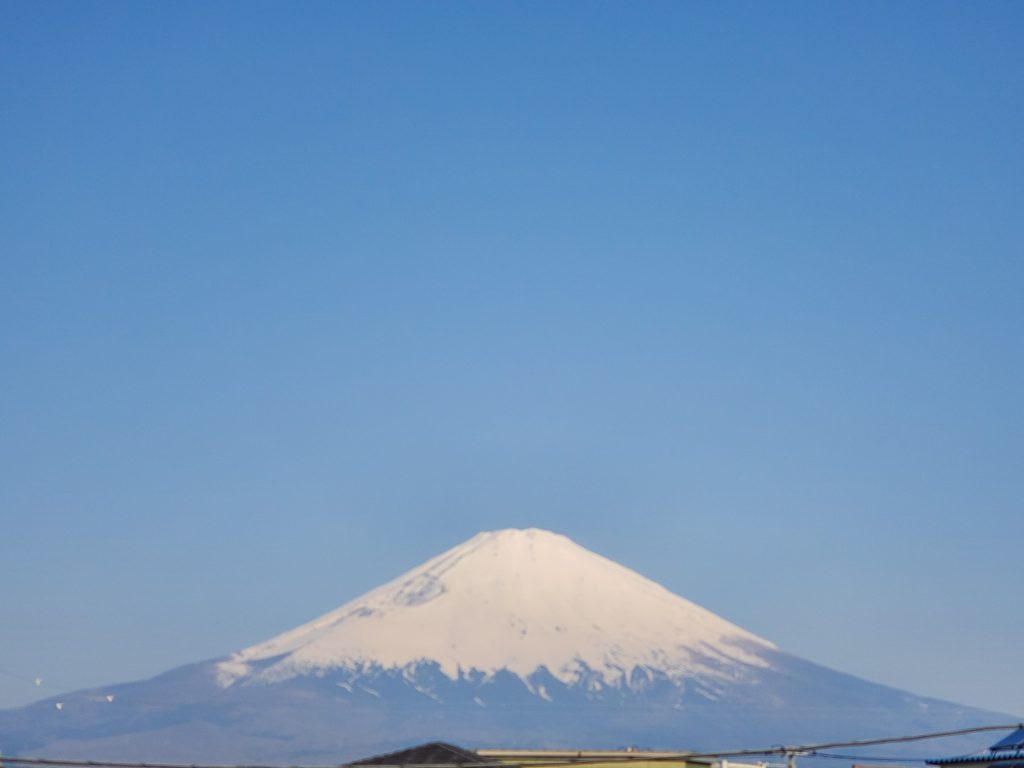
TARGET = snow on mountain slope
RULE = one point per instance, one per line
(516, 600)
(570, 651)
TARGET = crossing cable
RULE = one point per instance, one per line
(868, 758)
(38, 682)
(786, 751)
(805, 749)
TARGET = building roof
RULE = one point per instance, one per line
(1009, 748)
(981, 757)
(433, 753)
(1014, 741)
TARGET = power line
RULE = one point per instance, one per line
(904, 739)
(38, 682)
(868, 758)
(787, 751)
(804, 749)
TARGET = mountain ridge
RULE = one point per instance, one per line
(541, 643)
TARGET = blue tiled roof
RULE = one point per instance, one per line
(1014, 741)
(1008, 748)
(982, 757)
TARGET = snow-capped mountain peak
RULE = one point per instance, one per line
(514, 600)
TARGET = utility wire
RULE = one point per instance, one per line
(868, 758)
(38, 682)
(904, 739)
(805, 749)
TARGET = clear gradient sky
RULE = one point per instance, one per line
(295, 296)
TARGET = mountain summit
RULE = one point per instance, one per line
(515, 638)
(515, 600)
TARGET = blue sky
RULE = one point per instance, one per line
(294, 296)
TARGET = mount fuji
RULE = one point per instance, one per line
(515, 638)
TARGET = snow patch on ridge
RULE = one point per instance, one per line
(516, 600)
